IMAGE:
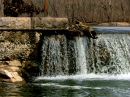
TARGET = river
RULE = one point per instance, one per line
(73, 87)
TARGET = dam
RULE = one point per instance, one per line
(64, 56)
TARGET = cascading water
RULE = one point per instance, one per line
(81, 56)
(109, 54)
(54, 56)
(74, 66)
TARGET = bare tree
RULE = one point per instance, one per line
(52, 4)
(85, 10)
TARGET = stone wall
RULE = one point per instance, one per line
(20, 45)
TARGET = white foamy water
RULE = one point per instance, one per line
(69, 87)
(87, 77)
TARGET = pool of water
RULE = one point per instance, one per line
(71, 86)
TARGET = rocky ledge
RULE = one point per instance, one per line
(20, 45)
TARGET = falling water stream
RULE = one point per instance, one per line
(79, 67)
(109, 54)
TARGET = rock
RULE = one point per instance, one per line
(10, 76)
(15, 23)
(14, 69)
(10, 71)
(80, 29)
(15, 63)
(31, 67)
(44, 23)
(4, 74)
(19, 45)
(47, 23)
(16, 77)
(37, 37)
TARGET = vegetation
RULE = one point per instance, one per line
(17, 7)
(93, 11)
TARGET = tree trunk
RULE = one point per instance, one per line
(1, 8)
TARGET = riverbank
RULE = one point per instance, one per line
(118, 24)
(115, 24)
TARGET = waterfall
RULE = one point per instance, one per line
(54, 55)
(62, 55)
(112, 54)
(81, 56)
